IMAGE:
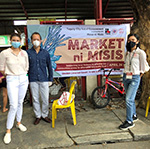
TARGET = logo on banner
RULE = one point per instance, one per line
(114, 31)
(107, 31)
(121, 31)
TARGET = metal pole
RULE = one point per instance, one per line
(99, 6)
(24, 9)
(106, 6)
(65, 9)
(100, 9)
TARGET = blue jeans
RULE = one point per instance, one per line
(131, 86)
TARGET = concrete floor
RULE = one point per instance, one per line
(96, 128)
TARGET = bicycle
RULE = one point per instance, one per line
(100, 96)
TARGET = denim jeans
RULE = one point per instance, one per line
(131, 86)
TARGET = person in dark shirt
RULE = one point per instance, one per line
(40, 78)
(3, 86)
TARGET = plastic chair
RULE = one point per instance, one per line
(147, 107)
(55, 106)
(72, 78)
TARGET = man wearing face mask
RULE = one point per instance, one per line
(40, 77)
(134, 68)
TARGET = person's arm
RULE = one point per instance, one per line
(1, 78)
(27, 62)
(3, 73)
(49, 67)
(2, 63)
(141, 74)
(142, 62)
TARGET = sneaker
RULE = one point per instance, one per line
(7, 138)
(126, 125)
(135, 118)
(21, 127)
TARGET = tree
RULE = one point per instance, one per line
(141, 9)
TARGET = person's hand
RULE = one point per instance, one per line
(141, 74)
(49, 83)
(0, 80)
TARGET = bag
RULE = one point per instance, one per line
(54, 89)
(146, 67)
(64, 98)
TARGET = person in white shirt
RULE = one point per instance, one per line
(134, 68)
(14, 65)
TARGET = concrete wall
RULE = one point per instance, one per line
(91, 81)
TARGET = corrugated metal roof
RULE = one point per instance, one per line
(62, 9)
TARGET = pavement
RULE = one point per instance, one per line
(96, 128)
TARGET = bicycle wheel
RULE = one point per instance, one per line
(97, 97)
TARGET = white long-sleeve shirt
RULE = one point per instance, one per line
(138, 61)
(13, 64)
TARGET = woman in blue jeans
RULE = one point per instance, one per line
(134, 68)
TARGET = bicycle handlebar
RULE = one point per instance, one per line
(109, 70)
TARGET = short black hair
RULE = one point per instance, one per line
(15, 34)
(36, 34)
(136, 36)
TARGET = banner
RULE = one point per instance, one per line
(81, 50)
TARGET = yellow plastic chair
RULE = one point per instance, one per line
(55, 106)
(147, 107)
(72, 78)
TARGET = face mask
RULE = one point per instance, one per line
(36, 43)
(130, 45)
(15, 44)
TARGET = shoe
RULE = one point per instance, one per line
(37, 120)
(46, 119)
(7, 138)
(21, 127)
(135, 118)
(126, 125)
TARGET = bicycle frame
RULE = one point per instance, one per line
(109, 82)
